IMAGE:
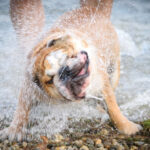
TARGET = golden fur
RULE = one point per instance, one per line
(87, 28)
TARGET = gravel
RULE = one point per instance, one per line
(105, 137)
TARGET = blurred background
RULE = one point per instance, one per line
(131, 19)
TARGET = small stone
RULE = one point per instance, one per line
(6, 142)
(98, 141)
(113, 148)
(107, 144)
(84, 148)
(90, 141)
(145, 147)
(24, 144)
(104, 132)
(84, 139)
(61, 148)
(16, 146)
(72, 148)
(117, 145)
(139, 143)
(134, 148)
(58, 138)
(120, 147)
(114, 142)
(101, 148)
(78, 143)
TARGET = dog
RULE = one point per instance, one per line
(78, 57)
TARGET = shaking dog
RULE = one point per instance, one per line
(78, 57)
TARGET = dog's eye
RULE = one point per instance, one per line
(50, 81)
(51, 43)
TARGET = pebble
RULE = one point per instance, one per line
(98, 141)
(104, 132)
(139, 143)
(6, 142)
(107, 144)
(78, 143)
(72, 148)
(145, 147)
(101, 148)
(114, 142)
(84, 148)
(117, 145)
(24, 144)
(134, 148)
(84, 139)
(61, 148)
(90, 141)
(58, 138)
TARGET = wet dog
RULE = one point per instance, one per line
(78, 57)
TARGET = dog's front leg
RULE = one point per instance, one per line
(121, 122)
(17, 129)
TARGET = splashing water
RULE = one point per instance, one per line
(133, 93)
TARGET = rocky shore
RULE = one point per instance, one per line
(104, 137)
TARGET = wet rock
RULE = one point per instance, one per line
(134, 148)
(114, 142)
(72, 148)
(126, 147)
(104, 132)
(58, 138)
(84, 139)
(101, 148)
(61, 148)
(139, 143)
(98, 143)
(24, 144)
(6, 142)
(84, 148)
(117, 145)
(107, 144)
(78, 143)
(90, 141)
(145, 147)
(112, 148)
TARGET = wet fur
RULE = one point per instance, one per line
(73, 32)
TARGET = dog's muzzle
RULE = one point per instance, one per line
(74, 75)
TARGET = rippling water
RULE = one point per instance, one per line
(132, 22)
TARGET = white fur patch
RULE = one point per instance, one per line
(56, 60)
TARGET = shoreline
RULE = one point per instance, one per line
(105, 137)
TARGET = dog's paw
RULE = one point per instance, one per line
(13, 134)
(129, 128)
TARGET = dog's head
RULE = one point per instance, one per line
(61, 68)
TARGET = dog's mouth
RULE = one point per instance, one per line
(74, 77)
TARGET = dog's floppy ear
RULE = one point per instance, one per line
(47, 43)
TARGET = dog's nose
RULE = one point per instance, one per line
(83, 56)
(67, 72)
